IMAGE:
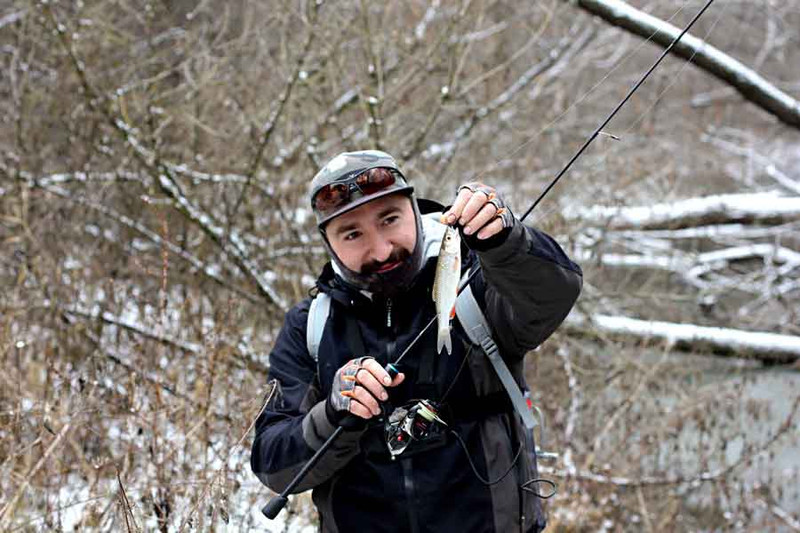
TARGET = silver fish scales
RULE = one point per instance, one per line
(445, 286)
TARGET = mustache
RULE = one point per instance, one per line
(398, 255)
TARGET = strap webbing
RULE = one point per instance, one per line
(474, 323)
(317, 316)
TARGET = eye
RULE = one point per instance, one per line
(391, 219)
(351, 236)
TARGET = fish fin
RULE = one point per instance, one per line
(453, 312)
(443, 340)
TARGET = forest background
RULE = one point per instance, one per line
(154, 228)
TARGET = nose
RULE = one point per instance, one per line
(380, 248)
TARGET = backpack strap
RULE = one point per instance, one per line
(474, 323)
(315, 325)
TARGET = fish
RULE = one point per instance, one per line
(445, 286)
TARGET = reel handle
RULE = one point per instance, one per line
(391, 370)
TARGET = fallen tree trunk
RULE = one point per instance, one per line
(762, 207)
(747, 82)
(770, 348)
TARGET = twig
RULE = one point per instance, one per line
(126, 507)
(748, 455)
(230, 242)
(576, 398)
(785, 516)
(643, 507)
(8, 510)
(207, 487)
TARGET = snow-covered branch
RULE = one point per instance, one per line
(230, 241)
(695, 268)
(247, 359)
(767, 347)
(283, 99)
(11, 18)
(88, 177)
(770, 169)
(747, 82)
(576, 399)
(763, 207)
(207, 270)
(785, 516)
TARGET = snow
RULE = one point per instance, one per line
(777, 253)
(733, 339)
(11, 18)
(346, 98)
(430, 14)
(760, 205)
(71, 503)
(703, 51)
(435, 150)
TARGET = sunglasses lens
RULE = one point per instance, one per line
(331, 197)
(336, 195)
(374, 180)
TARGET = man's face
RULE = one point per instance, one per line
(375, 237)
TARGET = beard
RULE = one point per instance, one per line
(390, 282)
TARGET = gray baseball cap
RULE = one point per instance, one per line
(338, 187)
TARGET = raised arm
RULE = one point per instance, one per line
(527, 281)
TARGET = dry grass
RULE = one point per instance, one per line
(154, 158)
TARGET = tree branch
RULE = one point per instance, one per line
(766, 347)
(748, 83)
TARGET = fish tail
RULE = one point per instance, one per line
(443, 340)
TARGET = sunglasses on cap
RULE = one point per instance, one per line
(333, 197)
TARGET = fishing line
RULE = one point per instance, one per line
(628, 96)
(677, 77)
(572, 160)
(583, 97)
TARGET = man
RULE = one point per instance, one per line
(467, 466)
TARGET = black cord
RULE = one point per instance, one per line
(458, 373)
(526, 486)
(475, 470)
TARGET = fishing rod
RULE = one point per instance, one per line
(277, 503)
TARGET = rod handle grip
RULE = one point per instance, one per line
(274, 506)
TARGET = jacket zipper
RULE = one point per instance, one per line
(408, 484)
(390, 344)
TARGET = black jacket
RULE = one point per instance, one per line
(526, 287)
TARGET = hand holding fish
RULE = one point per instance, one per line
(478, 208)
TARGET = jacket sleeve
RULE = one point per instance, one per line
(293, 423)
(529, 286)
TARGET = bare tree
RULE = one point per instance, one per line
(154, 227)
